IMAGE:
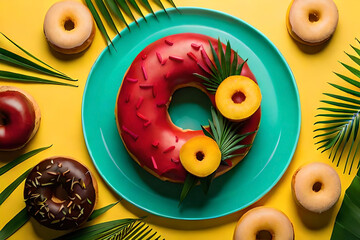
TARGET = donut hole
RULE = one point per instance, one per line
(200, 156)
(314, 16)
(59, 194)
(190, 108)
(3, 120)
(317, 186)
(264, 235)
(69, 24)
(238, 97)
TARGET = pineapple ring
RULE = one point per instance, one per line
(316, 187)
(69, 27)
(312, 22)
(200, 156)
(238, 98)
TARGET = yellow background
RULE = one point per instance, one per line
(61, 112)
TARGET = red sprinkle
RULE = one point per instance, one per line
(142, 117)
(128, 131)
(146, 86)
(176, 138)
(164, 61)
(154, 162)
(168, 42)
(140, 101)
(167, 75)
(195, 46)
(204, 68)
(127, 99)
(133, 80)
(144, 57)
(177, 59)
(147, 123)
(159, 57)
(144, 71)
(175, 160)
(155, 144)
(169, 149)
(192, 56)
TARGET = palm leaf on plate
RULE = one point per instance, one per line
(338, 128)
(118, 8)
(348, 218)
(226, 135)
(221, 68)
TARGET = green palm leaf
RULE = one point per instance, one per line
(117, 229)
(37, 59)
(339, 125)
(226, 135)
(101, 6)
(116, 7)
(221, 67)
(98, 21)
(14, 224)
(17, 77)
(348, 218)
(111, 4)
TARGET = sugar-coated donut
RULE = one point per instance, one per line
(69, 27)
(316, 187)
(142, 103)
(264, 223)
(312, 22)
(19, 118)
(60, 193)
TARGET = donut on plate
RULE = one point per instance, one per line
(142, 117)
(19, 118)
(69, 27)
(316, 187)
(264, 223)
(312, 22)
(60, 193)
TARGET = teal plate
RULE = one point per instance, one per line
(252, 178)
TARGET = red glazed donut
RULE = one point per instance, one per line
(19, 118)
(60, 193)
(143, 99)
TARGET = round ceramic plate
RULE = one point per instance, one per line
(252, 178)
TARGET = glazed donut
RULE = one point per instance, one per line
(264, 223)
(316, 187)
(312, 22)
(69, 27)
(19, 118)
(60, 193)
(142, 103)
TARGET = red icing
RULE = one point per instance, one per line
(17, 119)
(153, 138)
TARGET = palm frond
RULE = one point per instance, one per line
(339, 126)
(221, 67)
(226, 135)
(115, 9)
(118, 229)
(348, 217)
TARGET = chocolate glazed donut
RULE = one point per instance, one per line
(19, 118)
(60, 193)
